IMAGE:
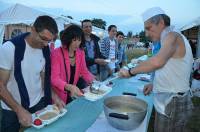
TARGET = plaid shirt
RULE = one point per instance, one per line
(105, 47)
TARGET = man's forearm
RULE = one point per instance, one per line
(7, 98)
(146, 66)
(53, 94)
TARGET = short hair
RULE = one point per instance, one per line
(70, 33)
(45, 22)
(120, 33)
(111, 26)
(85, 20)
(156, 19)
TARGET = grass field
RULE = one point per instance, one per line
(135, 53)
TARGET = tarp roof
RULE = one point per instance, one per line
(194, 23)
(20, 14)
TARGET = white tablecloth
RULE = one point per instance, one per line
(102, 125)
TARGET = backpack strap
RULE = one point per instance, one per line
(47, 82)
(20, 47)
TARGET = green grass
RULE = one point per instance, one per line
(135, 53)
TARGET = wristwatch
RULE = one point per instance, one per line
(129, 72)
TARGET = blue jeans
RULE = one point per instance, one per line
(10, 122)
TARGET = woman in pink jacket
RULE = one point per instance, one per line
(68, 64)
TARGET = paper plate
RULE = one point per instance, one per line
(146, 78)
(94, 97)
(47, 115)
(107, 60)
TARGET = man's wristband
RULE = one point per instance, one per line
(129, 72)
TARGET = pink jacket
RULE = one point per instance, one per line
(58, 74)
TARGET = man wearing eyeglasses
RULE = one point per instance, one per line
(25, 75)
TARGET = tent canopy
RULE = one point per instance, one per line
(194, 23)
(21, 14)
(18, 14)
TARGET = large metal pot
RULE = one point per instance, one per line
(125, 112)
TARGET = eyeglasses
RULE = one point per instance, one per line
(43, 38)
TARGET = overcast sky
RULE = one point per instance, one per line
(126, 14)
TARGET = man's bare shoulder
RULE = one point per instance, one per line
(172, 35)
(171, 38)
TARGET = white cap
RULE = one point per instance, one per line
(149, 13)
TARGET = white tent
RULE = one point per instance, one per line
(20, 14)
(99, 32)
(194, 23)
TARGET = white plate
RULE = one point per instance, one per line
(134, 61)
(144, 77)
(94, 97)
(107, 60)
(48, 109)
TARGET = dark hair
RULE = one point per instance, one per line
(156, 19)
(46, 22)
(85, 20)
(120, 33)
(61, 33)
(70, 33)
(110, 27)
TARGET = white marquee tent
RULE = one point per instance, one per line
(194, 23)
(20, 14)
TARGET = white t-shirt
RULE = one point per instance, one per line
(32, 65)
(112, 54)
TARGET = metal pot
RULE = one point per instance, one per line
(125, 112)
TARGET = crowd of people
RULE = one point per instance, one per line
(33, 76)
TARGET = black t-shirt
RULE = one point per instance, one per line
(72, 71)
(72, 74)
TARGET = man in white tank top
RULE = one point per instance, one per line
(172, 66)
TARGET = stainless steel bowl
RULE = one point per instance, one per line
(125, 112)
